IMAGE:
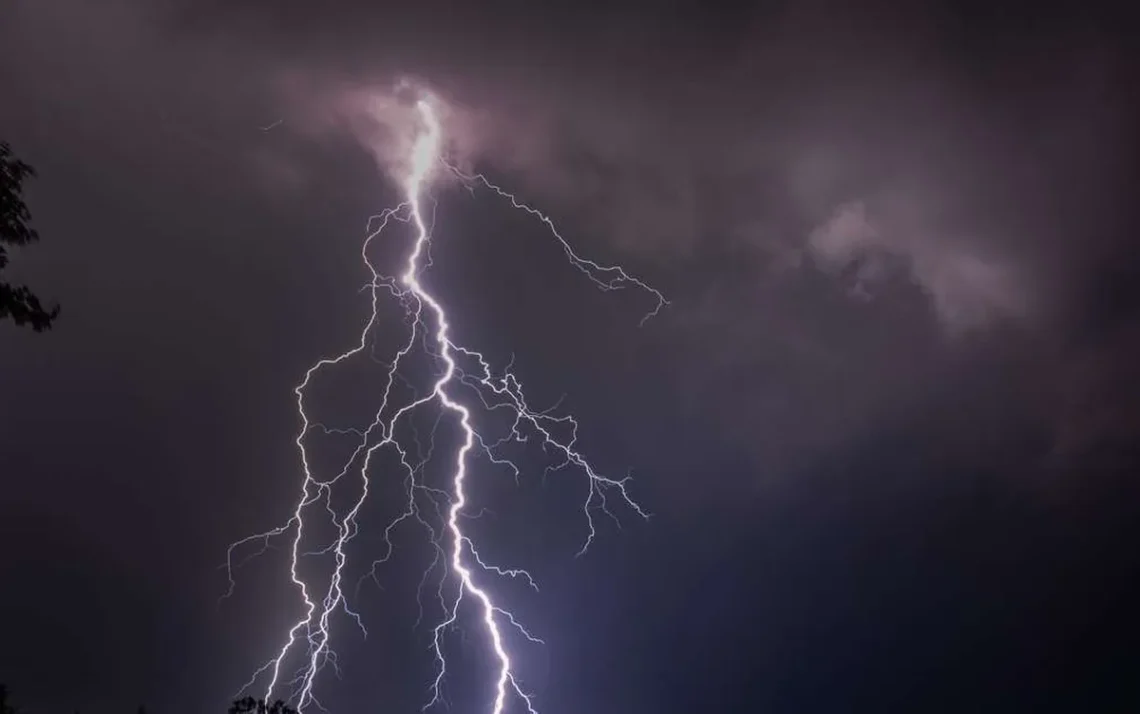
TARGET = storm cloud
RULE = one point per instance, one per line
(776, 149)
(897, 242)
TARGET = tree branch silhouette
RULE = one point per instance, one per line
(249, 705)
(17, 302)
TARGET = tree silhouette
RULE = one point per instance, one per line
(249, 705)
(18, 302)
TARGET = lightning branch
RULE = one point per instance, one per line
(465, 386)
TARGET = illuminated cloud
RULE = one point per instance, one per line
(966, 290)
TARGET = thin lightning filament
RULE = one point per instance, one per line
(465, 384)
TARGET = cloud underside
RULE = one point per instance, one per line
(771, 148)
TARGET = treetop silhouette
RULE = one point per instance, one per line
(17, 302)
(249, 705)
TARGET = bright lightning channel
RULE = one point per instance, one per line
(460, 370)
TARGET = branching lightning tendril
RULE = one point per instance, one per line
(460, 371)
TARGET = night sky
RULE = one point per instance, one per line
(889, 426)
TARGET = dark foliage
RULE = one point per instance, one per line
(249, 705)
(18, 302)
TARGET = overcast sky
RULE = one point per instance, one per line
(886, 424)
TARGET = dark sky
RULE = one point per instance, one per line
(887, 427)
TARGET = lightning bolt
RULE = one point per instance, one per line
(465, 384)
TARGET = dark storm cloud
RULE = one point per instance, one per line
(757, 130)
(950, 181)
(894, 238)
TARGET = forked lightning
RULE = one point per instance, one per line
(465, 386)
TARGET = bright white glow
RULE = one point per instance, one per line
(461, 370)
